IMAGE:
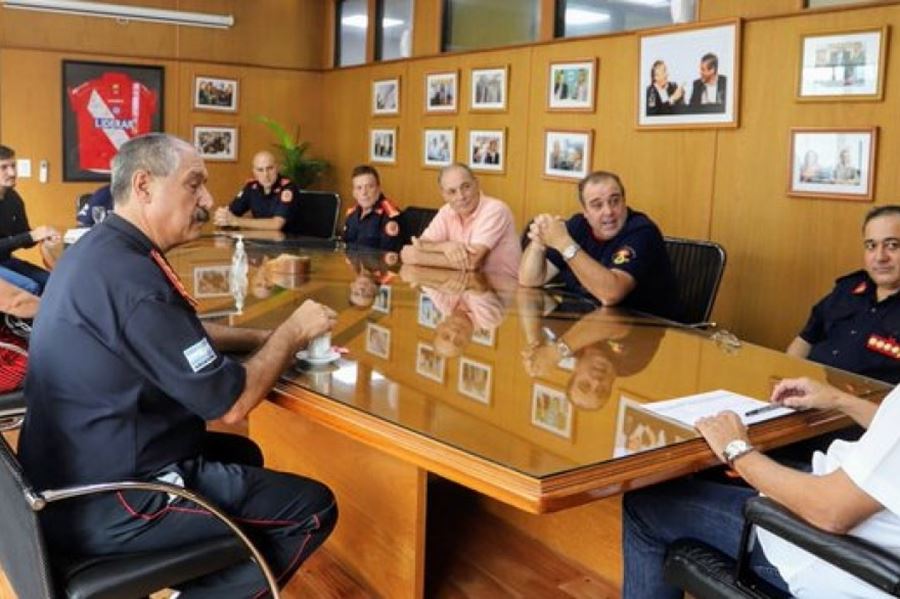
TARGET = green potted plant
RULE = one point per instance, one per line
(294, 162)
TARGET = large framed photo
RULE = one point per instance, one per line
(216, 143)
(441, 92)
(489, 89)
(551, 410)
(383, 146)
(105, 105)
(439, 147)
(689, 77)
(486, 150)
(845, 65)
(475, 380)
(386, 96)
(215, 93)
(571, 85)
(567, 154)
(833, 163)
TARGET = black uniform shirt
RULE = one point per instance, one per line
(282, 200)
(377, 229)
(15, 233)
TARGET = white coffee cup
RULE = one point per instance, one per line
(320, 346)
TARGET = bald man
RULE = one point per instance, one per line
(267, 201)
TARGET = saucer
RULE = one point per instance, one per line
(331, 356)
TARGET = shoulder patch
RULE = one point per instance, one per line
(624, 255)
(200, 355)
(391, 228)
(286, 196)
(860, 289)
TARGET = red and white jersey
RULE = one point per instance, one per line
(110, 110)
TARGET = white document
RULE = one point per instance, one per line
(73, 235)
(687, 410)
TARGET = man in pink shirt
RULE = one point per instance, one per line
(471, 231)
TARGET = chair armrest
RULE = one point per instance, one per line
(12, 410)
(864, 560)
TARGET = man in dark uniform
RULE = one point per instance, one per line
(267, 201)
(101, 198)
(608, 252)
(373, 221)
(123, 376)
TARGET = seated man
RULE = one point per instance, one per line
(372, 223)
(102, 198)
(471, 231)
(852, 489)
(624, 260)
(272, 201)
(123, 375)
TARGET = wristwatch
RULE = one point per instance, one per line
(736, 449)
(569, 251)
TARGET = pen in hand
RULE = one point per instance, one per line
(763, 409)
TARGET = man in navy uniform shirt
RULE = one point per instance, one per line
(267, 201)
(101, 198)
(373, 221)
(124, 374)
(608, 251)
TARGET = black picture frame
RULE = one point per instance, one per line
(92, 91)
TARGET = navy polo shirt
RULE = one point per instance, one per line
(282, 200)
(637, 249)
(849, 329)
(121, 373)
(378, 229)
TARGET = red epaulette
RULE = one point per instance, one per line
(389, 208)
(860, 289)
(173, 278)
(350, 211)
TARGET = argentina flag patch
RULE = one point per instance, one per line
(199, 355)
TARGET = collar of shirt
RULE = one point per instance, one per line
(129, 230)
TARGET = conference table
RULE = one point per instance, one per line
(462, 377)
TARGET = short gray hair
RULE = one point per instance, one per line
(452, 167)
(157, 153)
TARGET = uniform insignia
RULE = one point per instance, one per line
(389, 208)
(173, 278)
(350, 211)
(623, 255)
(239, 194)
(285, 181)
(254, 186)
(287, 196)
(886, 346)
(200, 355)
(392, 228)
(859, 289)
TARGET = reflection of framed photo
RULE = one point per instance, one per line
(488, 89)
(439, 147)
(833, 163)
(382, 301)
(383, 145)
(386, 96)
(551, 411)
(104, 106)
(215, 93)
(475, 380)
(428, 363)
(846, 65)
(378, 340)
(212, 281)
(571, 85)
(484, 337)
(639, 430)
(689, 76)
(486, 150)
(429, 315)
(216, 143)
(567, 154)
(441, 92)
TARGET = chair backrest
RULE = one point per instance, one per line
(320, 213)
(698, 267)
(81, 201)
(414, 220)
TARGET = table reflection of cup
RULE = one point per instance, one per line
(319, 347)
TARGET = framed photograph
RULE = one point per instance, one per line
(846, 65)
(215, 93)
(105, 105)
(638, 429)
(428, 314)
(486, 337)
(487, 150)
(386, 96)
(378, 340)
(216, 143)
(833, 163)
(567, 154)
(382, 301)
(439, 147)
(383, 146)
(441, 92)
(428, 363)
(551, 410)
(489, 88)
(475, 380)
(689, 76)
(571, 85)
(212, 281)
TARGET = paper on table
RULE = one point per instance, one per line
(688, 409)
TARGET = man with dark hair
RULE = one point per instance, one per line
(709, 91)
(16, 234)
(372, 222)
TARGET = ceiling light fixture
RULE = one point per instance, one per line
(577, 16)
(123, 12)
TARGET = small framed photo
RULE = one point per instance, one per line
(487, 150)
(689, 77)
(441, 92)
(489, 88)
(216, 143)
(428, 315)
(833, 163)
(475, 380)
(386, 96)
(439, 147)
(571, 85)
(383, 146)
(567, 154)
(215, 93)
(639, 429)
(378, 340)
(428, 363)
(485, 337)
(212, 281)
(846, 65)
(551, 410)
(382, 301)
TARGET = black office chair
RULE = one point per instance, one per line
(698, 267)
(320, 211)
(414, 220)
(34, 573)
(81, 201)
(707, 573)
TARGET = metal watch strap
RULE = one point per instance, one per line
(570, 251)
(735, 449)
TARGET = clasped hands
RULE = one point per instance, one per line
(46, 234)
(458, 254)
(224, 218)
(548, 230)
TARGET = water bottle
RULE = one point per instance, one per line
(238, 280)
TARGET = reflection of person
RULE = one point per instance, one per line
(708, 92)
(373, 221)
(810, 170)
(101, 198)
(370, 270)
(286, 271)
(852, 488)
(663, 96)
(471, 231)
(148, 374)
(607, 251)
(844, 171)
